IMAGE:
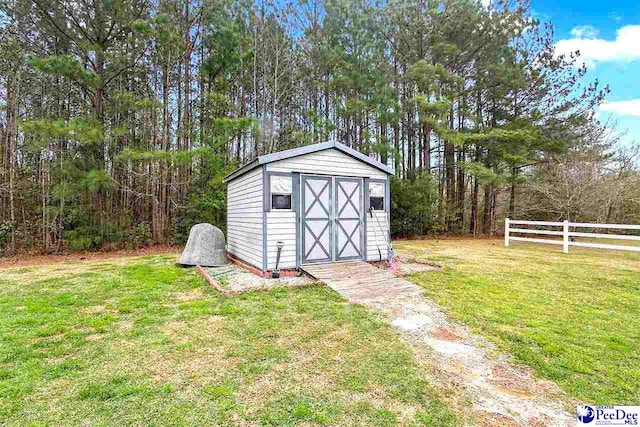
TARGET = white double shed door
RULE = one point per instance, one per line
(332, 213)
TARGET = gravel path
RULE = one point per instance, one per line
(501, 392)
(236, 278)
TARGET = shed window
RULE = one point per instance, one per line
(376, 195)
(281, 189)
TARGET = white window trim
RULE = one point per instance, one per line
(383, 196)
(271, 194)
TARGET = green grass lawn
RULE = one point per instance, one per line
(140, 341)
(573, 318)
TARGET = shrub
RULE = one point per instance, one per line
(413, 206)
(87, 237)
(137, 236)
(84, 237)
(6, 228)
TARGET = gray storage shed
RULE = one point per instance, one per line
(314, 199)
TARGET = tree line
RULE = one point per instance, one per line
(121, 117)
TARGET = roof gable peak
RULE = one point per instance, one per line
(307, 149)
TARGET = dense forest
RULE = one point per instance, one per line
(119, 118)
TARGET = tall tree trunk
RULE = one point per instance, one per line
(460, 182)
(163, 164)
(449, 165)
(426, 135)
(44, 202)
(460, 179)
(203, 141)
(473, 222)
(186, 128)
(512, 193)
(274, 101)
(450, 172)
(421, 147)
(383, 139)
(327, 100)
(492, 224)
(486, 214)
(13, 86)
(396, 124)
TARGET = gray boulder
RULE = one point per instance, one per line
(205, 247)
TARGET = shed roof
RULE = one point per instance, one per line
(308, 149)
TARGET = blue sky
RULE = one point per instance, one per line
(608, 36)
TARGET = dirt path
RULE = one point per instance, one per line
(501, 393)
(25, 260)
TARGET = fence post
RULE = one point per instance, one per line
(565, 236)
(506, 232)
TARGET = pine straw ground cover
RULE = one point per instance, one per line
(573, 318)
(141, 341)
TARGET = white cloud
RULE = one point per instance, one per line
(624, 108)
(616, 17)
(584, 32)
(626, 46)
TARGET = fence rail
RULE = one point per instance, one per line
(567, 233)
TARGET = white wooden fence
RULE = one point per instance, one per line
(568, 231)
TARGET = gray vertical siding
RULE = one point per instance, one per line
(245, 217)
(378, 226)
(382, 232)
(280, 225)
